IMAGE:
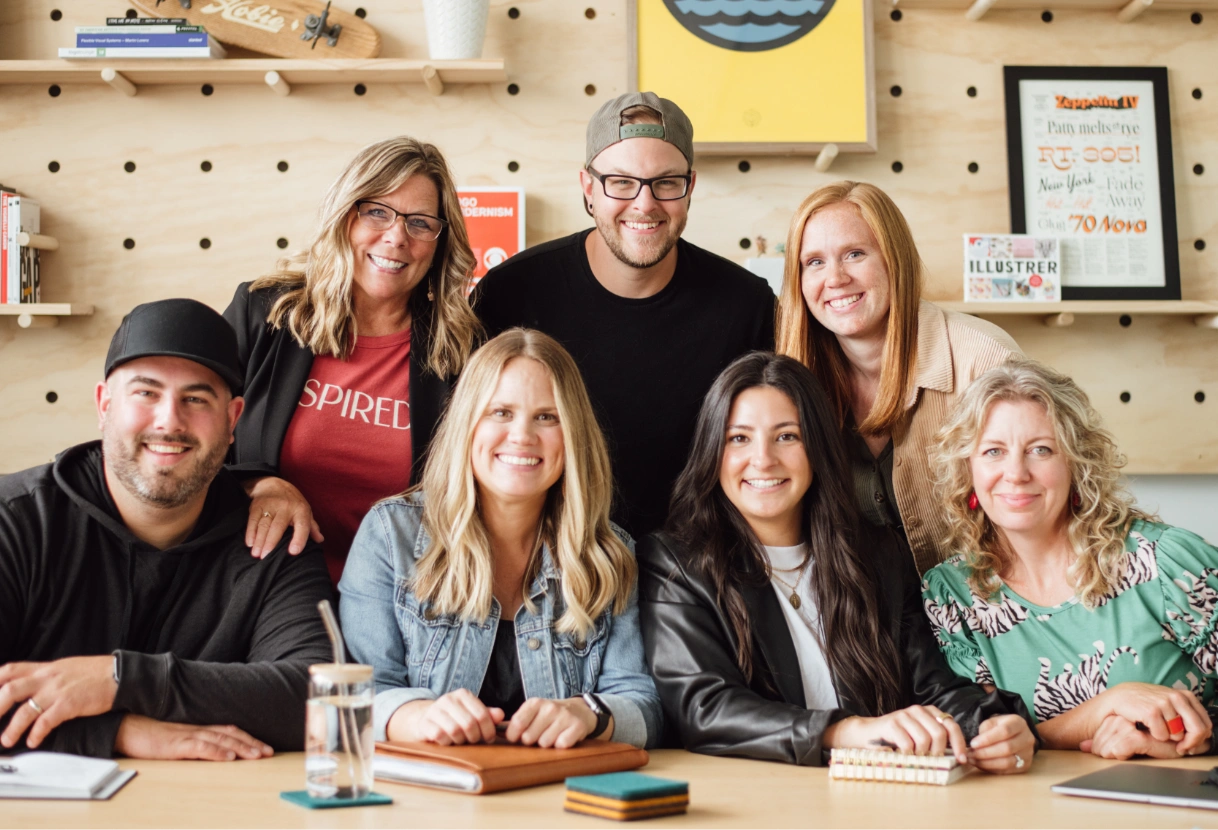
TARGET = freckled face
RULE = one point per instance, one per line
(842, 273)
(518, 447)
(765, 470)
(1021, 478)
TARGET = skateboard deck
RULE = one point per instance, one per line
(275, 27)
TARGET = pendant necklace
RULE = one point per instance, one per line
(794, 597)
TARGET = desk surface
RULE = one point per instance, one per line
(724, 792)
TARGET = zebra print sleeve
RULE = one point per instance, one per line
(1188, 575)
(950, 623)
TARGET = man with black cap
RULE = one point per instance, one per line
(132, 618)
(650, 318)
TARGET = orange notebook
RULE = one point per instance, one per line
(490, 768)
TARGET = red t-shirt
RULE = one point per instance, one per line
(348, 444)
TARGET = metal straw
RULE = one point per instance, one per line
(345, 731)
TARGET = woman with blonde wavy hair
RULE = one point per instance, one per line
(512, 592)
(350, 350)
(1063, 591)
(851, 310)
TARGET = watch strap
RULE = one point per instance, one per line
(601, 711)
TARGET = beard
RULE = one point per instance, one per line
(168, 487)
(647, 252)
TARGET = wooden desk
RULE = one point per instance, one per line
(725, 792)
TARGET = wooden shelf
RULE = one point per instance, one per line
(254, 71)
(43, 315)
(1124, 10)
(1204, 313)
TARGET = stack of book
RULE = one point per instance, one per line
(124, 37)
(20, 281)
(626, 796)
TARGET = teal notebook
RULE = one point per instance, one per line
(303, 798)
(627, 786)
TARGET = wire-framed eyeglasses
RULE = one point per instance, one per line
(663, 188)
(422, 226)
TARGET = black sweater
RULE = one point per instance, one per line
(276, 368)
(691, 649)
(204, 633)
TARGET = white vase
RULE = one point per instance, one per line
(455, 28)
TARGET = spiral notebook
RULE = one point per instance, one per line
(886, 765)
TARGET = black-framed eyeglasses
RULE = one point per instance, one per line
(663, 188)
(422, 226)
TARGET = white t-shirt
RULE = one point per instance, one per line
(804, 624)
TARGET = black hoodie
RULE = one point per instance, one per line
(204, 633)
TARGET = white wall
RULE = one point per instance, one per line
(1190, 502)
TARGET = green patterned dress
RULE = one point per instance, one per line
(1157, 626)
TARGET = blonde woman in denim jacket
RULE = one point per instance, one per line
(504, 600)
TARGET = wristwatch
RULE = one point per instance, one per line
(601, 711)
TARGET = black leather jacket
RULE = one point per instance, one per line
(691, 651)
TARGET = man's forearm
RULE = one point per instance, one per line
(266, 700)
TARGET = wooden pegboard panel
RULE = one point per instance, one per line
(554, 52)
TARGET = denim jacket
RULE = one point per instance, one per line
(419, 655)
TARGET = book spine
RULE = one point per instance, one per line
(14, 250)
(141, 41)
(143, 52)
(146, 21)
(137, 30)
(4, 247)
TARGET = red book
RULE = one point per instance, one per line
(3, 247)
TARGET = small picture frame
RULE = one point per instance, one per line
(1090, 162)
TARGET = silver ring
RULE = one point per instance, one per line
(34, 705)
(266, 514)
(1019, 762)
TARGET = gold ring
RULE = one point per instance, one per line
(266, 514)
(944, 716)
(34, 705)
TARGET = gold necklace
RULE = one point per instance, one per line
(794, 597)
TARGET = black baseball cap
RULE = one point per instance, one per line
(178, 328)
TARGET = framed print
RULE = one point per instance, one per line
(1089, 153)
(760, 76)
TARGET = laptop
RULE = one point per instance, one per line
(1170, 786)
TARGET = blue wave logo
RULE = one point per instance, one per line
(749, 25)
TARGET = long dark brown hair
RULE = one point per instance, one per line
(723, 547)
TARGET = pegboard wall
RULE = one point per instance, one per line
(188, 190)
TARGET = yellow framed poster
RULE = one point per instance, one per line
(760, 76)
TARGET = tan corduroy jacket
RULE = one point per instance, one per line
(953, 349)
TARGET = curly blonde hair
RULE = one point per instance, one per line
(1098, 524)
(314, 288)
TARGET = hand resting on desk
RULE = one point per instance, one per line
(141, 737)
(459, 717)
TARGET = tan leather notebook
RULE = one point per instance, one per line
(490, 768)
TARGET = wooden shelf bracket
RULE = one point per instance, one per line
(116, 79)
(432, 80)
(1060, 321)
(978, 9)
(1132, 9)
(36, 240)
(37, 321)
(824, 159)
(277, 84)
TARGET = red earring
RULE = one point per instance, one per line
(1076, 499)
(973, 503)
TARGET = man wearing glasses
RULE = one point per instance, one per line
(650, 318)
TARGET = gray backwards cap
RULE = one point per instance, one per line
(606, 127)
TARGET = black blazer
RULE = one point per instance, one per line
(276, 368)
(692, 654)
